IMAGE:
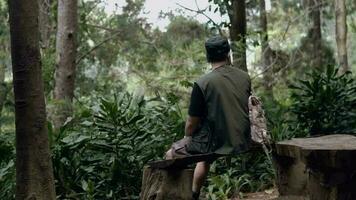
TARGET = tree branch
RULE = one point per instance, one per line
(202, 12)
(100, 27)
(97, 46)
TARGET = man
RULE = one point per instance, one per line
(218, 122)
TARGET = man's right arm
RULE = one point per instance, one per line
(191, 125)
(197, 110)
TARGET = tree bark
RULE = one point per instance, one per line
(329, 163)
(44, 22)
(237, 15)
(266, 50)
(34, 174)
(66, 45)
(314, 34)
(291, 176)
(341, 34)
(166, 184)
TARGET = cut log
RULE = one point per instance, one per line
(330, 164)
(166, 184)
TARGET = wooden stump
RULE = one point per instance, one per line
(166, 184)
(291, 176)
(331, 164)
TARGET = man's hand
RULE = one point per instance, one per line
(191, 125)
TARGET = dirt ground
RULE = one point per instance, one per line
(265, 195)
(270, 194)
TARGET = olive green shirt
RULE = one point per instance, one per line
(226, 127)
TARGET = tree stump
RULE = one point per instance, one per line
(330, 162)
(170, 179)
(291, 176)
(166, 184)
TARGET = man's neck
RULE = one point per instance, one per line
(218, 64)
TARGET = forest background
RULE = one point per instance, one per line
(118, 89)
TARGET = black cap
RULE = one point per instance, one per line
(217, 48)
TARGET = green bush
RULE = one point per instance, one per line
(103, 157)
(248, 172)
(7, 180)
(7, 167)
(325, 103)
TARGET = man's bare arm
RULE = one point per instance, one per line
(191, 125)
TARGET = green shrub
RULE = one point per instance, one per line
(7, 167)
(248, 172)
(7, 180)
(103, 157)
(325, 103)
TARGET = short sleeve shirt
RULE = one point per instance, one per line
(197, 107)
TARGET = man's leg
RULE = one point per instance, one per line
(200, 174)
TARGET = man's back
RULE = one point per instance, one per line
(226, 91)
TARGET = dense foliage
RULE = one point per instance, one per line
(325, 103)
(7, 167)
(100, 151)
(102, 157)
(231, 177)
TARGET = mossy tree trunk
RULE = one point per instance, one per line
(34, 174)
(266, 51)
(237, 15)
(341, 34)
(3, 88)
(66, 51)
(44, 22)
(314, 33)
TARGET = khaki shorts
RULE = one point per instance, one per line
(179, 150)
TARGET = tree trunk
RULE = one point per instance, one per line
(237, 15)
(3, 88)
(3, 91)
(266, 51)
(314, 34)
(341, 34)
(44, 22)
(66, 57)
(166, 184)
(34, 174)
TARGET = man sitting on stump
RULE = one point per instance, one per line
(218, 122)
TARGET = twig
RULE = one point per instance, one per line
(202, 12)
(101, 27)
(97, 46)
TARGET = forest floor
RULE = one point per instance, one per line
(265, 195)
(270, 194)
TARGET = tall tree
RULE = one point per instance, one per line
(66, 48)
(4, 53)
(266, 51)
(314, 33)
(341, 34)
(34, 174)
(237, 13)
(3, 88)
(44, 22)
